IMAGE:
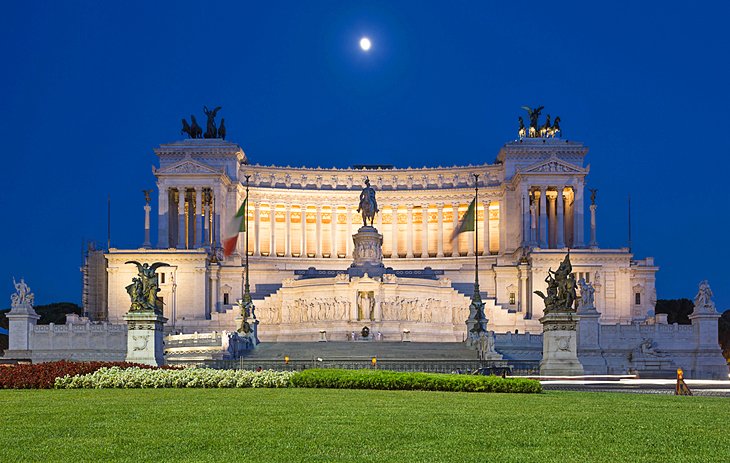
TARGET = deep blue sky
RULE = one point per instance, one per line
(88, 89)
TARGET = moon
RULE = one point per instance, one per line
(365, 44)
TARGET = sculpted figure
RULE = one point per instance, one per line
(143, 292)
(703, 299)
(546, 127)
(195, 130)
(22, 294)
(521, 132)
(586, 294)
(222, 129)
(534, 115)
(368, 205)
(211, 131)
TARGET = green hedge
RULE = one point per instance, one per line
(391, 380)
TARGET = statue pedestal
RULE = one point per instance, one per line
(367, 254)
(144, 338)
(559, 345)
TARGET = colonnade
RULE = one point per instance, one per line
(409, 230)
(554, 218)
(190, 220)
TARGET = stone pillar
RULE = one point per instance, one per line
(409, 230)
(304, 231)
(206, 219)
(560, 241)
(198, 217)
(543, 218)
(394, 232)
(163, 217)
(578, 220)
(455, 240)
(272, 230)
(257, 229)
(594, 243)
(144, 338)
(533, 222)
(348, 240)
(147, 243)
(287, 232)
(181, 218)
(559, 345)
(525, 211)
(589, 342)
(333, 233)
(552, 220)
(524, 305)
(486, 228)
(319, 231)
(379, 221)
(424, 231)
(21, 321)
(440, 230)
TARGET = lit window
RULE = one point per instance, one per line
(162, 278)
(637, 299)
(512, 298)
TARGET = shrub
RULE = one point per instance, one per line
(134, 377)
(391, 380)
(43, 375)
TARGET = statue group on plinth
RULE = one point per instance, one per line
(367, 252)
(561, 292)
(144, 288)
(22, 296)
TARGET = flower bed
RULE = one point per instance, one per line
(134, 377)
(391, 380)
(43, 375)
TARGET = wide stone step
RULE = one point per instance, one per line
(362, 350)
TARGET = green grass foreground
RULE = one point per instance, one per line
(326, 425)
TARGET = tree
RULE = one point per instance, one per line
(723, 327)
(677, 310)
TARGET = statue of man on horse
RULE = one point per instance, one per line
(368, 205)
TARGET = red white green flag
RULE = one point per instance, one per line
(236, 225)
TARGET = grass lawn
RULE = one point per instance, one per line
(293, 425)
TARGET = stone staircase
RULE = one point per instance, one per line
(359, 350)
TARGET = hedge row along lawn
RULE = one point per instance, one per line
(43, 375)
(133, 378)
(342, 425)
(391, 380)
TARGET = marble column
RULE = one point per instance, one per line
(206, 219)
(440, 230)
(272, 230)
(333, 233)
(198, 217)
(594, 243)
(470, 237)
(543, 218)
(560, 225)
(424, 231)
(455, 240)
(552, 221)
(409, 230)
(319, 232)
(348, 238)
(525, 209)
(533, 222)
(163, 217)
(287, 231)
(486, 228)
(257, 229)
(147, 243)
(578, 220)
(523, 305)
(181, 218)
(394, 232)
(303, 248)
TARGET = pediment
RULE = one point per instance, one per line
(187, 166)
(553, 165)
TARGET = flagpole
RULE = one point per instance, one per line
(476, 233)
(246, 288)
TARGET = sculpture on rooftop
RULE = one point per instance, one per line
(536, 130)
(368, 205)
(193, 130)
(703, 300)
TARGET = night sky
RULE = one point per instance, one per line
(87, 90)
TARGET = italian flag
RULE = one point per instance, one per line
(236, 225)
(468, 221)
